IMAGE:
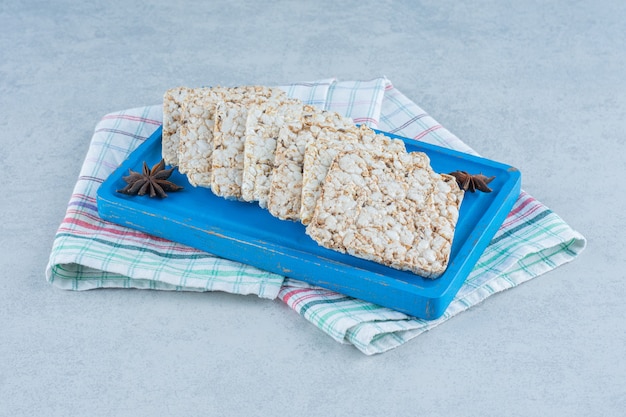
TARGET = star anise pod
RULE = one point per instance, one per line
(471, 183)
(150, 181)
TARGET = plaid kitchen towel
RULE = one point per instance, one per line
(89, 253)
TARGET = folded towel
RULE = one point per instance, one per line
(90, 253)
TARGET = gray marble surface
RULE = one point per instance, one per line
(538, 85)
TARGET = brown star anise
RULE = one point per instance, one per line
(150, 181)
(471, 183)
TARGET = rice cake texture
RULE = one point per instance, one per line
(195, 145)
(319, 155)
(286, 183)
(172, 119)
(196, 134)
(262, 128)
(388, 207)
(227, 159)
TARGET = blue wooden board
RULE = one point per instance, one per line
(246, 233)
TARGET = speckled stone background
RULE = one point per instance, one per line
(538, 85)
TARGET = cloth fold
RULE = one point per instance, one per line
(89, 253)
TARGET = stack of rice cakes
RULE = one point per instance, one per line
(357, 191)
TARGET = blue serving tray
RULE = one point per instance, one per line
(246, 233)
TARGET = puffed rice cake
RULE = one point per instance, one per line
(319, 154)
(196, 132)
(227, 159)
(388, 207)
(195, 139)
(172, 119)
(286, 184)
(262, 127)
